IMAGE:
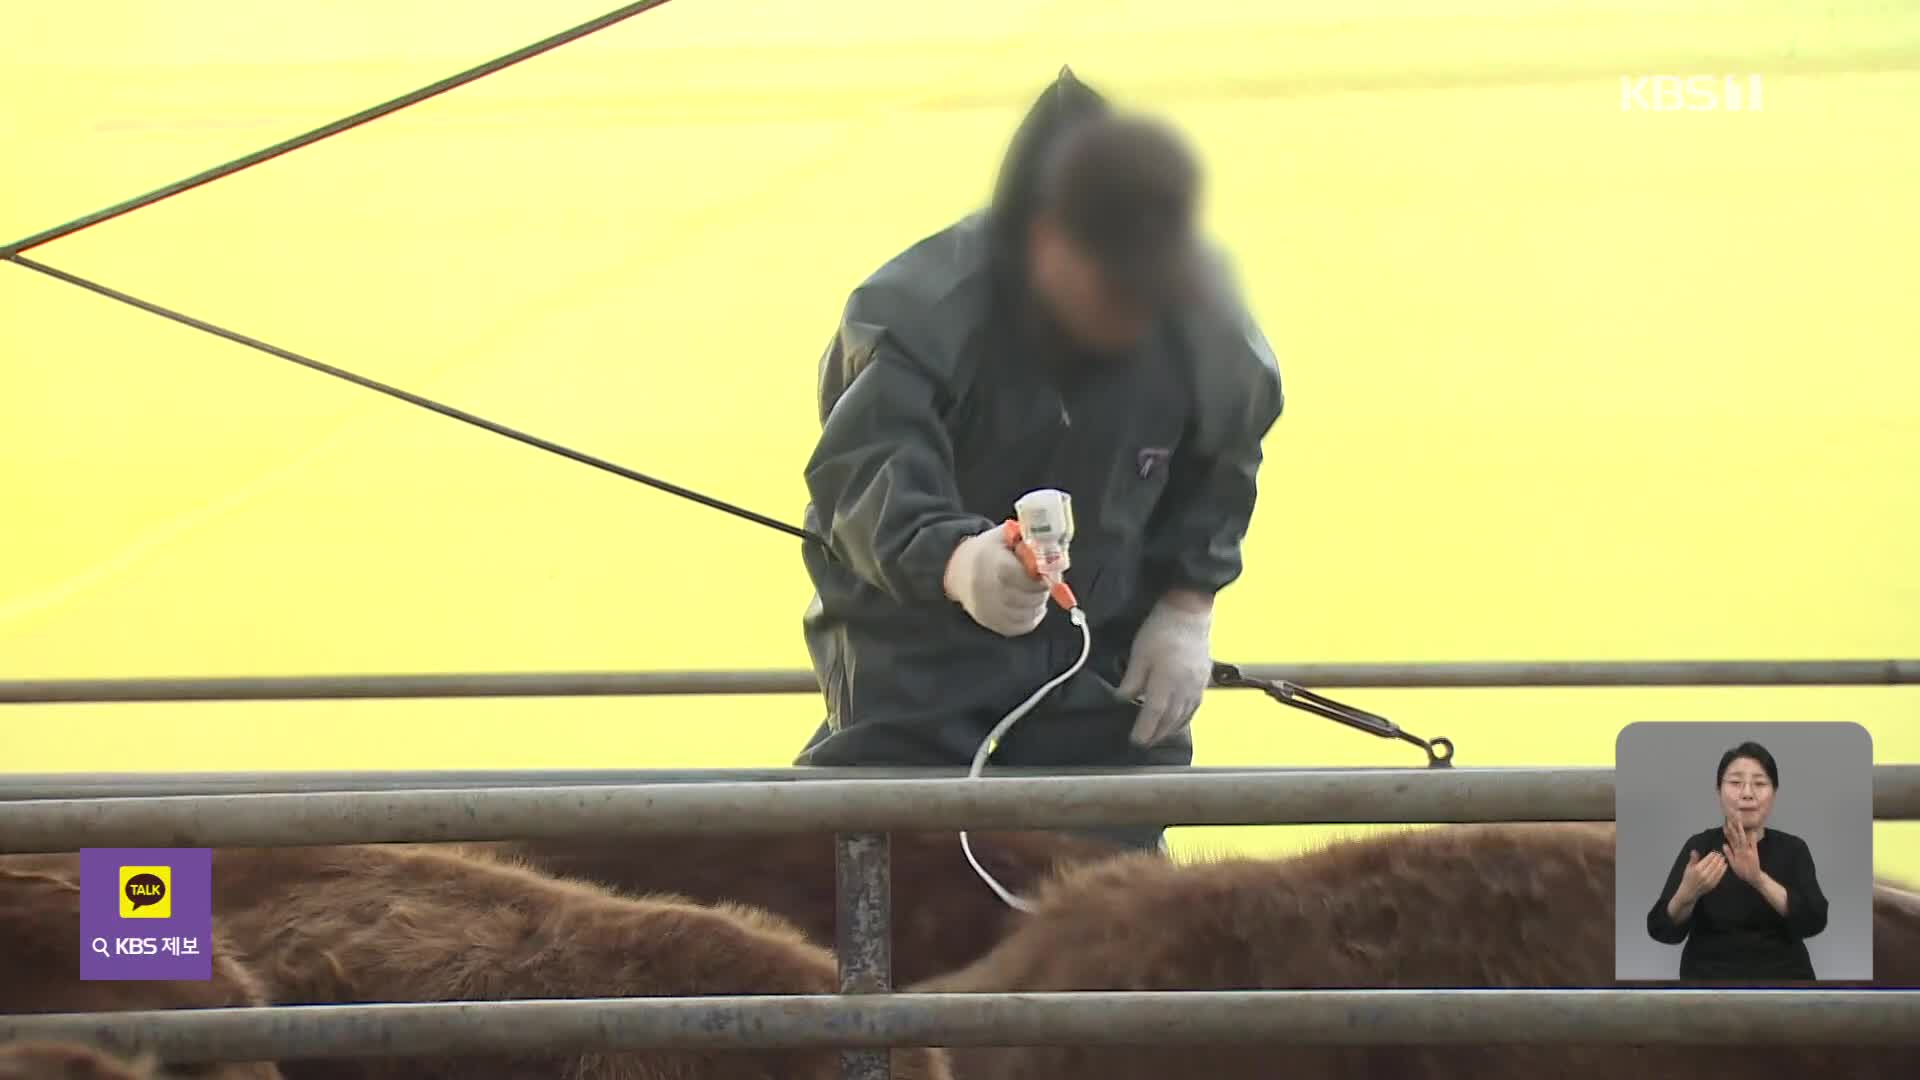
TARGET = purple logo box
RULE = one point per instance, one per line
(146, 913)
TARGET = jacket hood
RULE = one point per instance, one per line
(1065, 102)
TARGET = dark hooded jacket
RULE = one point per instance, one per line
(943, 399)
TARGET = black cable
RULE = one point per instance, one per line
(424, 402)
(335, 128)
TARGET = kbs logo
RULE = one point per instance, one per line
(146, 892)
(1690, 93)
(146, 913)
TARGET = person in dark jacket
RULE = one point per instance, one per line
(1073, 335)
(1744, 897)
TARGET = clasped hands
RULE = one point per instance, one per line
(1740, 853)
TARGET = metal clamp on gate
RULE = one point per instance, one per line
(1439, 751)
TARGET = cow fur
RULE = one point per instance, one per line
(76, 1061)
(66, 1061)
(944, 916)
(40, 970)
(388, 923)
(1490, 906)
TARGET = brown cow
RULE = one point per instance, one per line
(944, 916)
(1487, 906)
(381, 923)
(40, 964)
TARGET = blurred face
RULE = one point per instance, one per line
(1077, 295)
(1746, 795)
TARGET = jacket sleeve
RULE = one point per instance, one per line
(881, 477)
(1660, 926)
(1195, 538)
(1806, 904)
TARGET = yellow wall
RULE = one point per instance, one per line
(1564, 381)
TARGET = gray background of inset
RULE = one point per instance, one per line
(1664, 792)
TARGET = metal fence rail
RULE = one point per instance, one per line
(1294, 1017)
(1318, 797)
(647, 683)
(126, 785)
(866, 1015)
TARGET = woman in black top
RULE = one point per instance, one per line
(1742, 896)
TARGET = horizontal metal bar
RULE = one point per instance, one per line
(1109, 1018)
(128, 785)
(1597, 673)
(475, 685)
(649, 683)
(1330, 797)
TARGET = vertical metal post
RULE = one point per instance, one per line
(863, 934)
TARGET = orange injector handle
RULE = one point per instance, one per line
(1059, 590)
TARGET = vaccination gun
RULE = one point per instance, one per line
(1041, 533)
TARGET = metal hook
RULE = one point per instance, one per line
(1439, 751)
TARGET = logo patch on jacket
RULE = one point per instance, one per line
(1153, 458)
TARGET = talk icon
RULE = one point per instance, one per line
(146, 892)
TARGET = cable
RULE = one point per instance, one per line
(424, 402)
(413, 97)
(992, 741)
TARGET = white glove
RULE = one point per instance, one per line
(986, 577)
(1169, 669)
